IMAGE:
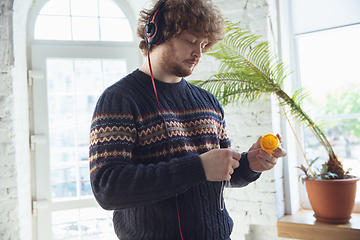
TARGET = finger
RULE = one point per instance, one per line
(279, 152)
(268, 157)
(235, 164)
(268, 163)
(228, 178)
(258, 142)
(236, 155)
(256, 145)
(279, 137)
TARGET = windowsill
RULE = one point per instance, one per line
(303, 225)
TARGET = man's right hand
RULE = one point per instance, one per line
(219, 164)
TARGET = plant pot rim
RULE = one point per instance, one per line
(352, 178)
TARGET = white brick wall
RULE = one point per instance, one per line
(254, 208)
(15, 194)
(21, 119)
(9, 227)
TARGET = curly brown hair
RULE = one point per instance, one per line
(179, 15)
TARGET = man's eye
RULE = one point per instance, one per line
(191, 42)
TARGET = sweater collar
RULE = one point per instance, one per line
(159, 84)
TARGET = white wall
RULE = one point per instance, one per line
(253, 208)
(15, 195)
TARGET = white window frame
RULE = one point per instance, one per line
(295, 192)
(39, 51)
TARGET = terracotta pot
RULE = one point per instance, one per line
(332, 200)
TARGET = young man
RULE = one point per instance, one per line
(160, 158)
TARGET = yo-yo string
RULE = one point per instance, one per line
(222, 192)
(254, 150)
(225, 184)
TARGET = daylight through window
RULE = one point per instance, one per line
(100, 20)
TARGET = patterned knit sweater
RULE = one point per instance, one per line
(130, 168)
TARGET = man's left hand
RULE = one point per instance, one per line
(260, 161)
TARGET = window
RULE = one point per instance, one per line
(80, 51)
(83, 223)
(73, 87)
(100, 20)
(319, 43)
(328, 64)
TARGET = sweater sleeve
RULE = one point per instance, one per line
(243, 175)
(117, 182)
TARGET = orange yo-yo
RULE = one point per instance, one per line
(269, 142)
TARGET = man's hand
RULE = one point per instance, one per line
(260, 161)
(219, 164)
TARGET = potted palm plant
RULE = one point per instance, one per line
(249, 70)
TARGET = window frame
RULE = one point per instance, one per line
(38, 5)
(63, 49)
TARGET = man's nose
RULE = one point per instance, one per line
(197, 51)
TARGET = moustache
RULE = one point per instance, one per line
(194, 60)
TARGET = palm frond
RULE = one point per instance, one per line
(249, 70)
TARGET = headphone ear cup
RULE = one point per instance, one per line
(150, 30)
(153, 29)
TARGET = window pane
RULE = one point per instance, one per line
(114, 29)
(328, 67)
(61, 155)
(73, 89)
(85, 105)
(60, 77)
(85, 8)
(329, 72)
(88, 75)
(59, 21)
(63, 183)
(107, 8)
(343, 135)
(85, 181)
(61, 111)
(62, 142)
(83, 224)
(52, 28)
(113, 70)
(85, 28)
(56, 7)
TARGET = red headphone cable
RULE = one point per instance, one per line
(177, 209)
(153, 83)
(160, 111)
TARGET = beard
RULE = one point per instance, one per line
(170, 63)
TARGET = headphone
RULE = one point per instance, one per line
(153, 28)
(153, 36)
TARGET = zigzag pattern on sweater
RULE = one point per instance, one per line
(173, 150)
(113, 133)
(111, 116)
(181, 149)
(179, 129)
(106, 154)
(202, 126)
(156, 133)
(178, 113)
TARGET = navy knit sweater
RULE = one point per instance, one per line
(131, 171)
